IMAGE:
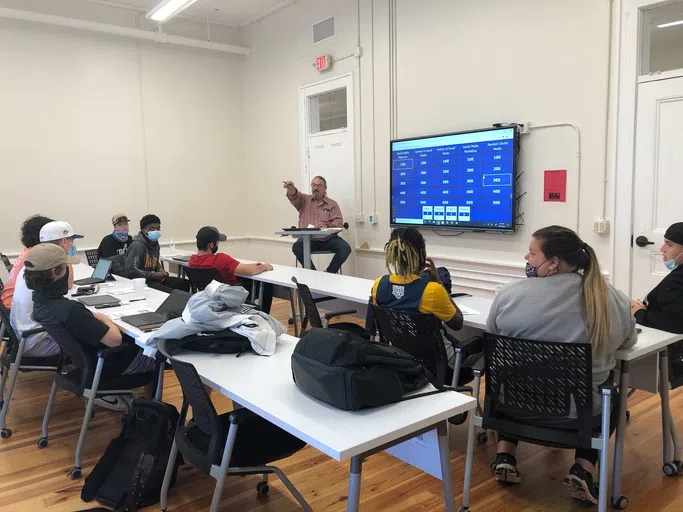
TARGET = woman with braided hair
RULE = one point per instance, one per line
(567, 300)
(403, 289)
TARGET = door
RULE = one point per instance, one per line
(658, 178)
(328, 149)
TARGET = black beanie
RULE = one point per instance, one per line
(675, 233)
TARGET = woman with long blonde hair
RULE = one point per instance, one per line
(567, 300)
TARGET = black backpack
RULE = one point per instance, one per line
(349, 373)
(130, 473)
(212, 342)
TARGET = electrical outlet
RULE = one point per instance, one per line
(601, 226)
(372, 218)
(360, 218)
(525, 128)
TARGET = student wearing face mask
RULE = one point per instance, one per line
(208, 256)
(62, 235)
(566, 300)
(142, 259)
(115, 245)
(663, 307)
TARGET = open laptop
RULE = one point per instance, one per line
(171, 308)
(99, 275)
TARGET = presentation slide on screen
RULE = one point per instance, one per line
(461, 180)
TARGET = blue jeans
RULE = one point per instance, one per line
(336, 244)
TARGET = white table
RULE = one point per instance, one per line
(306, 236)
(265, 386)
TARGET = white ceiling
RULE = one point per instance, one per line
(235, 13)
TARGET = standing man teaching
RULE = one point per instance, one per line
(322, 212)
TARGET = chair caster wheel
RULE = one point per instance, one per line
(463, 509)
(482, 438)
(262, 488)
(42, 442)
(75, 473)
(621, 503)
(6, 433)
(628, 415)
(671, 469)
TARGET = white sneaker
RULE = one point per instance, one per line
(114, 403)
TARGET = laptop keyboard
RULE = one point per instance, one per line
(151, 318)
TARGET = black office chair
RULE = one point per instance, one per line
(87, 380)
(12, 362)
(422, 335)
(312, 315)
(235, 443)
(532, 379)
(5, 260)
(92, 257)
(200, 278)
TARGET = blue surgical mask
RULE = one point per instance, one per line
(154, 235)
(72, 251)
(121, 236)
(671, 264)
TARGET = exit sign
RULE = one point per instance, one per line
(323, 62)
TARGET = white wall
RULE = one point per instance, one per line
(94, 124)
(461, 64)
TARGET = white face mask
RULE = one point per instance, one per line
(671, 264)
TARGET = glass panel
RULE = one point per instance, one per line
(662, 38)
(328, 111)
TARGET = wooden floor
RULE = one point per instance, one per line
(36, 479)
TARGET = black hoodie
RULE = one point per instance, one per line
(665, 304)
(142, 259)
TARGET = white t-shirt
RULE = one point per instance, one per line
(21, 315)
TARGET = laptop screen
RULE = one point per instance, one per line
(102, 269)
(174, 303)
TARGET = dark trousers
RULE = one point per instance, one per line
(336, 245)
(590, 454)
(169, 284)
(266, 301)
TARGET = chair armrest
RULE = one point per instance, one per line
(462, 345)
(126, 347)
(608, 385)
(239, 416)
(333, 314)
(31, 332)
(477, 363)
(323, 299)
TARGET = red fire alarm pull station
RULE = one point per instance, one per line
(323, 62)
(555, 186)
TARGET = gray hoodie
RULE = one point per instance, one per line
(551, 309)
(142, 258)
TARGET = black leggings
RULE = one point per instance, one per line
(590, 454)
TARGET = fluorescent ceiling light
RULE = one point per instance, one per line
(168, 9)
(672, 24)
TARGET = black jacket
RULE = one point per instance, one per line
(665, 304)
(113, 249)
(142, 259)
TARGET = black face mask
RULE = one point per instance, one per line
(214, 249)
(61, 285)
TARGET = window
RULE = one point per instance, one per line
(328, 111)
(662, 48)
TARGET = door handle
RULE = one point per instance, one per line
(642, 241)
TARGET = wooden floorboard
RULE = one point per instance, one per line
(36, 479)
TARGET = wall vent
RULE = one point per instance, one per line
(323, 30)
